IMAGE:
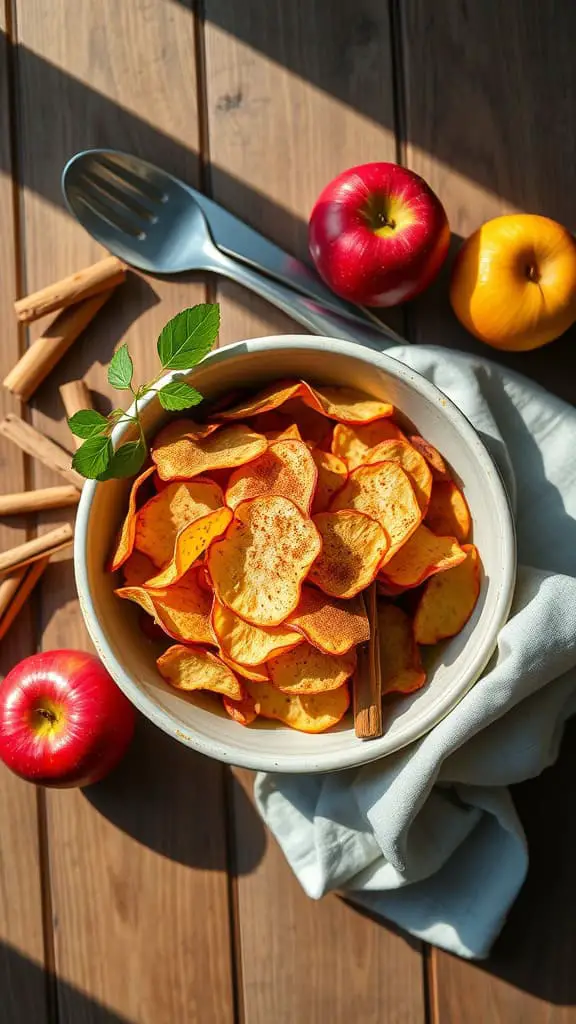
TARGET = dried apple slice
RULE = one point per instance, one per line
(183, 610)
(190, 543)
(163, 516)
(188, 456)
(195, 668)
(243, 711)
(438, 467)
(385, 493)
(137, 569)
(347, 405)
(448, 511)
(286, 469)
(352, 443)
(332, 475)
(290, 433)
(423, 555)
(247, 644)
(413, 464)
(258, 674)
(305, 669)
(331, 625)
(311, 713)
(125, 543)
(400, 665)
(315, 429)
(353, 546)
(448, 600)
(270, 398)
(175, 430)
(259, 565)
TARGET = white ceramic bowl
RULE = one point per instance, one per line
(453, 667)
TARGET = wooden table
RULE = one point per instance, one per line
(156, 897)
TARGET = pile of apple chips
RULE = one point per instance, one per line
(265, 527)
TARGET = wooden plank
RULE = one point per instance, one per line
(139, 886)
(22, 980)
(274, 141)
(479, 86)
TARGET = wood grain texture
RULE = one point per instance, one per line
(139, 886)
(283, 138)
(22, 988)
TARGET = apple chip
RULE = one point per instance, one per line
(243, 711)
(352, 443)
(248, 644)
(339, 403)
(413, 464)
(385, 493)
(448, 511)
(137, 569)
(190, 543)
(315, 429)
(176, 430)
(332, 475)
(290, 433)
(448, 600)
(353, 546)
(125, 543)
(312, 713)
(286, 469)
(437, 465)
(259, 565)
(195, 668)
(423, 555)
(400, 664)
(189, 456)
(183, 611)
(258, 674)
(331, 625)
(305, 669)
(163, 516)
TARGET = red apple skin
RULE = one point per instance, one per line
(371, 268)
(63, 720)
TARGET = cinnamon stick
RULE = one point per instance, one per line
(76, 396)
(8, 588)
(32, 550)
(107, 273)
(46, 352)
(367, 679)
(29, 581)
(40, 447)
(36, 501)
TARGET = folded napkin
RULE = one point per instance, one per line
(429, 837)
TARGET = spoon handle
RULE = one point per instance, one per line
(305, 311)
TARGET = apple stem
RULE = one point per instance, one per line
(532, 273)
(48, 715)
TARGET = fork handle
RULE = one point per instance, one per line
(310, 314)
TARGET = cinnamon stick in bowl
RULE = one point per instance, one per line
(367, 686)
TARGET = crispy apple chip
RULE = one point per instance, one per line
(163, 516)
(190, 543)
(195, 668)
(286, 469)
(289, 433)
(352, 443)
(312, 713)
(259, 565)
(125, 543)
(448, 600)
(137, 569)
(331, 625)
(385, 493)
(259, 674)
(183, 610)
(448, 511)
(189, 456)
(353, 546)
(423, 555)
(305, 669)
(247, 644)
(315, 429)
(338, 403)
(400, 664)
(332, 475)
(438, 467)
(270, 398)
(243, 711)
(413, 464)
(175, 430)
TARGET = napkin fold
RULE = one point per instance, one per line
(429, 837)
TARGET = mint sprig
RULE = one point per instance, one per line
(183, 342)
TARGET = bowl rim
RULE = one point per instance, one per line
(367, 752)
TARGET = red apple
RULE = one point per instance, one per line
(378, 234)
(63, 720)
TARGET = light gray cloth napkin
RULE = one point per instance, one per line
(429, 837)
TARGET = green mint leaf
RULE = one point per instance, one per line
(87, 422)
(178, 395)
(126, 461)
(121, 369)
(93, 456)
(189, 336)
